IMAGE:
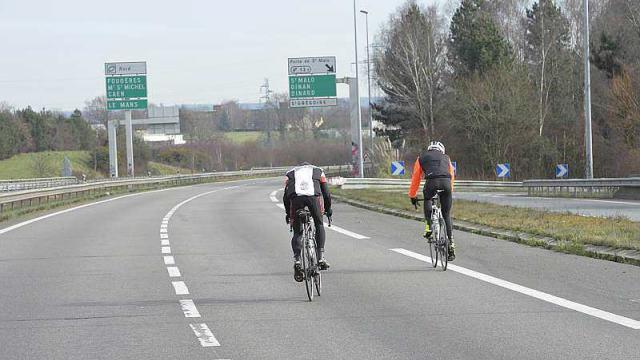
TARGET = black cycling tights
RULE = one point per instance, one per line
(430, 190)
(315, 206)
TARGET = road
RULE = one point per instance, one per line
(204, 272)
(590, 207)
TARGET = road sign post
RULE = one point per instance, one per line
(397, 168)
(126, 89)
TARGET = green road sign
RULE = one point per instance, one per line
(127, 104)
(122, 87)
(312, 86)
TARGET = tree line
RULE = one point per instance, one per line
(27, 130)
(502, 81)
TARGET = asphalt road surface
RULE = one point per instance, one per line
(591, 207)
(205, 272)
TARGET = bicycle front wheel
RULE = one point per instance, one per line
(444, 248)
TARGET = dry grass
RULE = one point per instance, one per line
(616, 232)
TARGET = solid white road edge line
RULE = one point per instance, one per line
(345, 232)
(189, 308)
(25, 223)
(205, 335)
(326, 225)
(601, 314)
(180, 287)
(173, 271)
(272, 196)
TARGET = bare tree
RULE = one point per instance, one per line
(411, 67)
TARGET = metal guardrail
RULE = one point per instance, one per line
(26, 198)
(26, 184)
(376, 183)
(607, 187)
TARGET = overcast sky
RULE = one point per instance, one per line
(53, 52)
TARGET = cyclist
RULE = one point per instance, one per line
(436, 167)
(306, 186)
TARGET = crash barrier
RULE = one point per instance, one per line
(35, 197)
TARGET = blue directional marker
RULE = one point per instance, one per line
(397, 168)
(503, 170)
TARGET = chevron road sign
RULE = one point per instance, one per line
(397, 168)
(503, 170)
(562, 170)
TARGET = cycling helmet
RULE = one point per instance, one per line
(436, 145)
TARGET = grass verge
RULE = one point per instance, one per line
(574, 230)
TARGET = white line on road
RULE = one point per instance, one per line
(169, 260)
(346, 232)
(164, 236)
(163, 230)
(204, 335)
(25, 223)
(180, 287)
(189, 308)
(604, 315)
(166, 250)
(173, 271)
(165, 242)
(272, 196)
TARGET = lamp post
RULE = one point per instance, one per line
(587, 97)
(359, 122)
(366, 17)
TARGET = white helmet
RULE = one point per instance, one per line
(436, 145)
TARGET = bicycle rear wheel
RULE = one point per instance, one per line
(444, 247)
(306, 267)
(433, 250)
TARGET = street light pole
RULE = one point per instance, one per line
(359, 122)
(366, 17)
(587, 97)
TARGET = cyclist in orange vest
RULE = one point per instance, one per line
(435, 166)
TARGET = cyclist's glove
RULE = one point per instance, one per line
(328, 212)
(414, 201)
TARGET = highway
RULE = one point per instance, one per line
(590, 207)
(205, 272)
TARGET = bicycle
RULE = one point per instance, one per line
(310, 267)
(439, 242)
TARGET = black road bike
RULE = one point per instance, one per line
(439, 242)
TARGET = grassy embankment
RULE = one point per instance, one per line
(577, 230)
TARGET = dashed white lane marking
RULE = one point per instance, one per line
(189, 309)
(601, 314)
(169, 260)
(163, 230)
(166, 250)
(165, 242)
(163, 225)
(173, 271)
(180, 287)
(333, 227)
(204, 335)
(164, 236)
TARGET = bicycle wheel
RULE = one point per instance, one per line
(444, 246)
(306, 267)
(433, 249)
(318, 274)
